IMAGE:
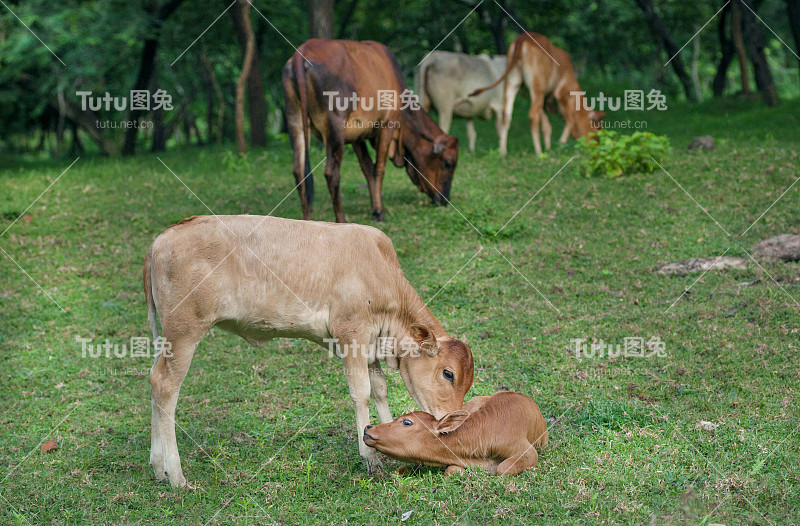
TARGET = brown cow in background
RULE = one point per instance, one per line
(547, 71)
(320, 84)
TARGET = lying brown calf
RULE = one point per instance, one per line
(499, 433)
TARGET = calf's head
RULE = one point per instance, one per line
(430, 163)
(415, 436)
(589, 122)
(437, 373)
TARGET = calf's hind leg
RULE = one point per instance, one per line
(166, 378)
(510, 90)
(156, 444)
(519, 463)
(547, 130)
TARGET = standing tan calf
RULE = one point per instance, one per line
(266, 277)
(499, 433)
(547, 71)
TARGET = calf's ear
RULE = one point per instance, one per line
(450, 422)
(397, 151)
(597, 116)
(425, 339)
(439, 145)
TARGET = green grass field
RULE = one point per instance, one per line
(267, 434)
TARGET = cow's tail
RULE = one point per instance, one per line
(421, 86)
(515, 56)
(152, 315)
(302, 93)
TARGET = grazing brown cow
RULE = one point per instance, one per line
(547, 71)
(332, 89)
(499, 433)
(268, 277)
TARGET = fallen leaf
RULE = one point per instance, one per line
(705, 425)
(404, 517)
(48, 446)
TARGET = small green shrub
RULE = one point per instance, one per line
(235, 162)
(614, 155)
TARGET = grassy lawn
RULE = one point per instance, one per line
(267, 434)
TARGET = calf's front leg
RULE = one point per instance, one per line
(335, 149)
(472, 135)
(567, 130)
(369, 168)
(156, 447)
(380, 392)
(357, 374)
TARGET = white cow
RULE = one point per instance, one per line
(445, 80)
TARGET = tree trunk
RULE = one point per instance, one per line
(348, 15)
(255, 89)
(499, 36)
(88, 121)
(209, 93)
(512, 13)
(77, 145)
(320, 18)
(695, 74)
(497, 25)
(42, 137)
(755, 49)
(177, 119)
(159, 133)
(243, 6)
(793, 11)
(191, 125)
(61, 118)
(147, 66)
(738, 43)
(669, 45)
(495, 19)
(208, 69)
(726, 47)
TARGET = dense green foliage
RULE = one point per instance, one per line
(99, 46)
(610, 154)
